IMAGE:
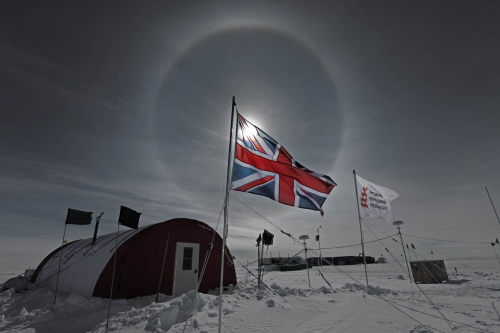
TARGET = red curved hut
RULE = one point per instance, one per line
(87, 268)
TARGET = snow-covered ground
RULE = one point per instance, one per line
(471, 298)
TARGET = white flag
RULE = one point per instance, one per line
(375, 200)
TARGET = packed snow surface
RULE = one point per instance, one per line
(470, 301)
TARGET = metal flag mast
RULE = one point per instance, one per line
(320, 255)
(226, 213)
(303, 238)
(398, 223)
(361, 230)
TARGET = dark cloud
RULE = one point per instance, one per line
(110, 103)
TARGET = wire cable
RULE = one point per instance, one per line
(348, 275)
(450, 258)
(444, 240)
(428, 298)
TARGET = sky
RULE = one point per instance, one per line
(129, 103)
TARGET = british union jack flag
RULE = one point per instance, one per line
(262, 166)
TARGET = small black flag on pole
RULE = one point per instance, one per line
(78, 217)
(267, 238)
(129, 217)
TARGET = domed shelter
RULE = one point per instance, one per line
(87, 268)
(382, 260)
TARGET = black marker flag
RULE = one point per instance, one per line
(129, 217)
(78, 217)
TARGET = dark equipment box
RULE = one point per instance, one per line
(429, 271)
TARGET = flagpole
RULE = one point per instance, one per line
(162, 267)
(262, 263)
(361, 230)
(226, 213)
(258, 263)
(492, 204)
(320, 255)
(403, 246)
(307, 263)
(60, 259)
(113, 276)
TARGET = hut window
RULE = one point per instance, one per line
(187, 261)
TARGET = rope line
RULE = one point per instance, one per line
(444, 240)
(450, 258)
(351, 277)
(204, 266)
(428, 298)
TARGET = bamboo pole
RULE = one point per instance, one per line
(258, 265)
(60, 259)
(113, 276)
(162, 267)
(262, 262)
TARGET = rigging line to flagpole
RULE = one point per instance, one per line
(467, 249)
(339, 247)
(395, 304)
(340, 270)
(374, 295)
(453, 321)
(429, 261)
(345, 273)
(205, 263)
(323, 248)
(249, 271)
(421, 244)
(405, 270)
(492, 204)
(444, 240)
(253, 210)
(445, 224)
(432, 303)
(479, 226)
(450, 258)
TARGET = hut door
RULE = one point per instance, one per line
(186, 267)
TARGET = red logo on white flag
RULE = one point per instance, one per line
(364, 197)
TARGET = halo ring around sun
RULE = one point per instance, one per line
(164, 80)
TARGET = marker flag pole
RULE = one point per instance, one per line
(162, 267)
(113, 276)
(60, 259)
